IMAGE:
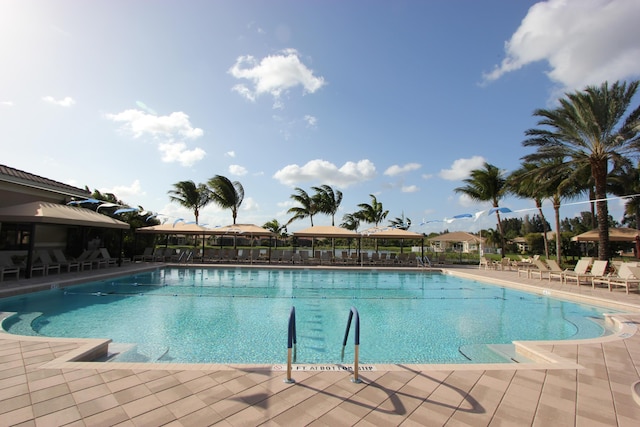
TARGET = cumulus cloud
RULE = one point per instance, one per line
(168, 131)
(230, 153)
(397, 169)
(461, 168)
(139, 123)
(310, 120)
(326, 172)
(273, 75)
(585, 42)
(410, 188)
(65, 102)
(237, 170)
(124, 192)
(178, 152)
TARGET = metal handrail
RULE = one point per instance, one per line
(291, 344)
(353, 313)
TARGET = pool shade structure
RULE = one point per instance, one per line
(327, 231)
(245, 230)
(615, 235)
(48, 213)
(178, 228)
(393, 233)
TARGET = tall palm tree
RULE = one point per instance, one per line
(589, 128)
(400, 222)
(372, 213)
(227, 194)
(487, 185)
(191, 196)
(524, 183)
(350, 222)
(625, 181)
(276, 228)
(308, 206)
(328, 200)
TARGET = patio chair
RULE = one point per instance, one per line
(46, 262)
(598, 269)
(540, 270)
(554, 269)
(61, 259)
(8, 267)
(580, 268)
(111, 261)
(626, 276)
(484, 262)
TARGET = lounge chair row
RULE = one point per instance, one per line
(587, 271)
(46, 262)
(275, 256)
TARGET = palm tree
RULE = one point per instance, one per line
(191, 196)
(487, 185)
(328, 200)
(625, 181)
(350, 222)
(308, 206)
(372, 213)
(588, 128)
(227, 194)
(276, 228)
(401, 222)
(525, 183)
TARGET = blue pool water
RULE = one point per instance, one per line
(235, 315)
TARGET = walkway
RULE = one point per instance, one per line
(585, 384)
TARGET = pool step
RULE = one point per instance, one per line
(492, 353)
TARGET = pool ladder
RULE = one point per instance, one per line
(291, 343)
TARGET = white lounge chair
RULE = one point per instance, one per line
(8, 267)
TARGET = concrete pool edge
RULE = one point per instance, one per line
(86, 348)
(82, 351)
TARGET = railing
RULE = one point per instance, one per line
(353, 313)
(424, 261)
(291, 344)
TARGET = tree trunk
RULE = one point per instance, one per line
(502, 245)
(544, 229)
(556, 209)
(599, 171)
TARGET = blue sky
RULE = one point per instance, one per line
(397, 99)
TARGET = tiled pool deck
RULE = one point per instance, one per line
(586, 383)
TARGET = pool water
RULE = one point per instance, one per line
(235, 315)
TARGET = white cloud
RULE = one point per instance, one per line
(6, 103)
(273, 75)
(410, 189)
(230, 153)
(178, 152)
(585, 42)
(397, 169)
(237, 170)
(66, 102)
(124, 192)
(139, 123)
(427, 176)
(168, 131)
(311, 120)
(461, 168)
(324, 172)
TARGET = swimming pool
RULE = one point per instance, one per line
(236, 315)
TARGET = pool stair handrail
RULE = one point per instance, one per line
(291, 344)
(356, 340)
(423, 261)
